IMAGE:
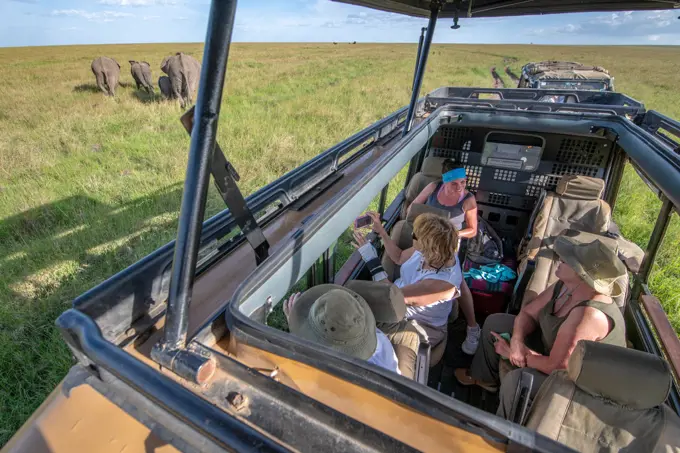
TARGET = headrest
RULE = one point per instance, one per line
(385, 299)
(418, 209)
(628, 377)
(432, 166)
(580, 187)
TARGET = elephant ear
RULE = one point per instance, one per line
(146, 63)
(131, 62)
(164, 65)
(116, 63)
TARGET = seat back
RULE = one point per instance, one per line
(575, 205)
(546, 262)
(431, 171)
(610, 399)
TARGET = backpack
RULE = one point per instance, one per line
(486, 247)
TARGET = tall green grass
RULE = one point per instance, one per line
(90, 184)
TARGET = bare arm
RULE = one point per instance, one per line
(470, 230)
(428, 291)
(583, 323)
(422, 196)
(396, 254)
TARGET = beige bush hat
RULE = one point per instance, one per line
(598, 265)
(337, 318)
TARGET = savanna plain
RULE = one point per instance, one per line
(90, 184)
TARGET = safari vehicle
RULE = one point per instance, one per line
(565, 75)
(174, 353)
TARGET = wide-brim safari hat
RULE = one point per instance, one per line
(596, 263)
(337, 318)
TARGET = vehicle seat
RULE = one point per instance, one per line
(430, 171)
(577, 205)
(609, 399)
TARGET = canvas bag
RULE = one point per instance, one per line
(486, 247)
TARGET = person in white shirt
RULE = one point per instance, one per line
(430, 272)
(339, 318)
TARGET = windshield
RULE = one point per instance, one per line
(573, 85)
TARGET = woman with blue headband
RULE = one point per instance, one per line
(450, 194)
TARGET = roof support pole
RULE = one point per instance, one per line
(653, 245)
(423, 53)
(170, 351)
(420, 68)
(420, 51)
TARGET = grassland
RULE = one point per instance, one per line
(90, 184)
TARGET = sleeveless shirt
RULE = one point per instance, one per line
(550, 323)
(457, 212)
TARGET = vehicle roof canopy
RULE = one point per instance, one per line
(496, 8)
(560, 70)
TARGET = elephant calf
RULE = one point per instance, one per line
(107, 72)
(141, 72)
(183, 73)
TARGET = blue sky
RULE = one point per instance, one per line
(56, 22)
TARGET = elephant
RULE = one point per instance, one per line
(164, 86)
(183, 71)
(107, 72)
(141, 72)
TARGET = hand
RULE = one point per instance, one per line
(518, 353)
(501, 346)
(377, 222)
(288, 304)
(359, 239)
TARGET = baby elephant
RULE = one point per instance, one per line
(183, 72)
(141, 72)
(107, 72)
(164, 86)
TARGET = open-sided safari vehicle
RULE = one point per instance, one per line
(174, 353)
(565, 75)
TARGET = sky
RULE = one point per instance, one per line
(58, 22)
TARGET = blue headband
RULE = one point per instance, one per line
(456, 173)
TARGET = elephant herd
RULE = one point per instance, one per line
(183, 72)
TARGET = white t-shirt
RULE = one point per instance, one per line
(384, 355)
(437, 313)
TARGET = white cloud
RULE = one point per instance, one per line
(98, 16)
(654, 37)
(570, 28)
(151, 17)
(138, 2)
(69, 28)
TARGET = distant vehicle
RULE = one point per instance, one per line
(565, 75)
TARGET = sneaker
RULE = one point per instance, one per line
(464, 378)
(471, 340)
